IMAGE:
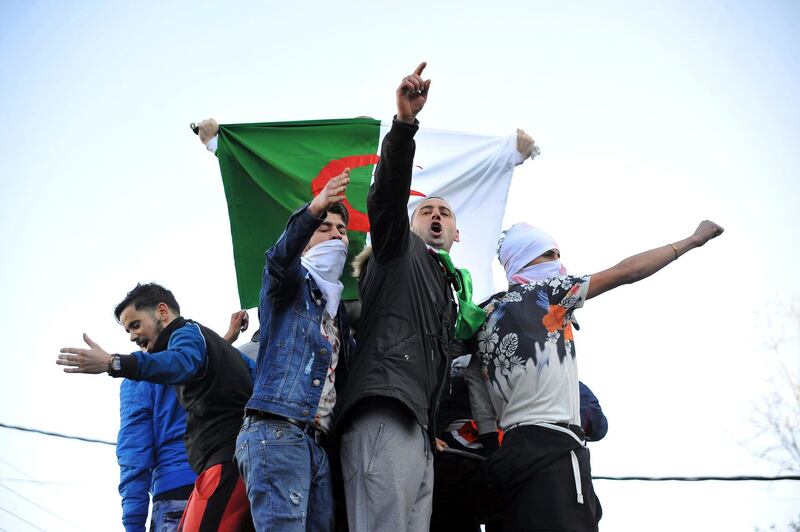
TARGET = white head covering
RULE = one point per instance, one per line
(325, 263)
(519, 245)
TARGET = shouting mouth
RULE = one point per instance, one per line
(142, 343)
(436, 229)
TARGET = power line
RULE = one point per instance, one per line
(736, 478)
(21, 519)
(702, 479)
(15, 468)
(34, 503)
(56, 434)
(42, 482)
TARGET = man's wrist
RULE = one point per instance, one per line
(113, 364)
(317, 211)
(122, 365)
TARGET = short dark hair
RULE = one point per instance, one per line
(341, 210)
(147, 296)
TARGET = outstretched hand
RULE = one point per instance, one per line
(93, 360)
(333, 192)
(706, 231)
(412, 95)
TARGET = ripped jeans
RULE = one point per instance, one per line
(287, 475)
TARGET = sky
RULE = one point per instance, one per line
(651, 116)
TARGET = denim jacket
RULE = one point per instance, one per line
(294, 356)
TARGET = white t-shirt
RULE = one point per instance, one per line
(528, 355)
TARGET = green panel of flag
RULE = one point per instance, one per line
(267, 172)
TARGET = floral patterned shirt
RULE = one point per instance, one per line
(327, 400)
(527, 352)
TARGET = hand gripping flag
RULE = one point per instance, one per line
(269, 170)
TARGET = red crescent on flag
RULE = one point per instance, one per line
(358, 220)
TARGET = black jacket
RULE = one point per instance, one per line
(408, 310)
(214, 402)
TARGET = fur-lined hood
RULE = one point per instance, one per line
(359, 263)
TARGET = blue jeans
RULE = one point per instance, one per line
(166, 515)
(287, 475)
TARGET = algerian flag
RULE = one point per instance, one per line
(269, 170)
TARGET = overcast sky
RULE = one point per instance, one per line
(651, 116)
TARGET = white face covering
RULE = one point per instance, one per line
(325, 264)
(521, 244)
(539, 272)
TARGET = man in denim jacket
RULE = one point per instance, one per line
(282, 450)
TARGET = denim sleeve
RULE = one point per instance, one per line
(183, 361)
(135, 452)
(593, 421)
(282, 271)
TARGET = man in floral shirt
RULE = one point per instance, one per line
(526, 355)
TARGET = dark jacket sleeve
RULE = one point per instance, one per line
(283, 271)
(593, 421)
(135, 452)
(387, 201)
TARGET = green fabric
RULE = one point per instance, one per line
(267, 172)
(470, 316)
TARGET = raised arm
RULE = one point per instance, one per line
(282, 271)
(645, 264)
(387, 201)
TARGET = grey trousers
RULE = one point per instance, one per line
(387, 466)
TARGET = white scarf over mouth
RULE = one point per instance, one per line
(325, 264)
(519, 245)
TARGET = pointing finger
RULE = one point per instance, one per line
(420, 68)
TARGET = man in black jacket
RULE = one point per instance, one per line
(213, 381)
(386, 414)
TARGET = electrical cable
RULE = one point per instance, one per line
(21, 519)
(739, 478)
(735, 478)
(56, 434)
(39, 506)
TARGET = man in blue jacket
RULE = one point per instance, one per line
(282, 448)
(150, 450)
(213, 382)
(151, 456)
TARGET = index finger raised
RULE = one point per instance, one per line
(420, 68)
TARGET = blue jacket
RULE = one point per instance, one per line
(293, 356)
(593, 421)
(150, 450)
(213, 384)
